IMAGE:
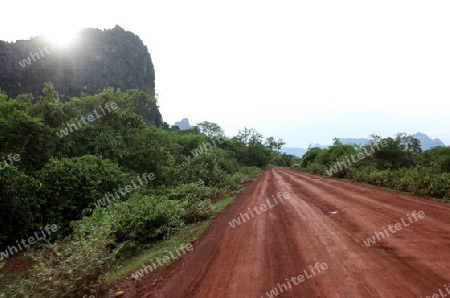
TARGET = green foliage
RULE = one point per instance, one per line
(137, 222)
(244, 175)
(184, 144)
(336, 152)
(398, 152)
(22, 134)
(72, 184)
(274, 145)
(249, 150)
(316, 168)
(19, 205)
(211, 130)
(145, 219)
(284, 160)
(397, 162)
(73, 267)
(195, 189)
(195, 209)
(417, 180)
(437, 158)
(310, 156)
(204, 167)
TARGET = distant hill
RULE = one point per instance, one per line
(299, 151)
(294, 151)
(360, 141)
(183, 124)
(425, 142)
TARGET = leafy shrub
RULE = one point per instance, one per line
(195, 209)
(204, 167)
(415, 180)
(19, 205)
(145, 219)
(316, 168)
(245, 174)
(73, 267)
(141, 220)
(197, 190)
(71, 184)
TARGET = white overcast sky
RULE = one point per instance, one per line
(303, 71)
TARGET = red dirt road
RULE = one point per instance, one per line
(280, 243)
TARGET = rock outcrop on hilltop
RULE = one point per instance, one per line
(94, 60)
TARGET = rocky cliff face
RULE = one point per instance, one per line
(94, 60)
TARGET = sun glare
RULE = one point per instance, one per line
(61, 37)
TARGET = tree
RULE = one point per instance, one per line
(310, 156)
(436, 158)
(49, 92)
(397, 153)
(274, 145)
(249, 136)
(211, 130)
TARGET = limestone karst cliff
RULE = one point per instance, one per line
(94, 60)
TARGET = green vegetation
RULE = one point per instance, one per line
(399, 164)
(185, 235)
(60, 180)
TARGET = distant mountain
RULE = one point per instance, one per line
(183, 124)
(361, 141)
(294, 151)
(425, 142)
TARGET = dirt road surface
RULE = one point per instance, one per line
(326, 221)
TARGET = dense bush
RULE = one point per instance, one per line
(195, 209)
(71, 184)
(400, 164)
(204, 167)
(73, 267)
(19, 206)
(196, 190)
(142, 220)
(244, 175)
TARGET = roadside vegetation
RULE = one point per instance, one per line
(400, 164)
(60, 180)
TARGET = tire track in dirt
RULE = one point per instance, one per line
(183, 276)
(244, 264)
(252, 258)
(415, 250)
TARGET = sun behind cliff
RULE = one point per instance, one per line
(61, 37)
